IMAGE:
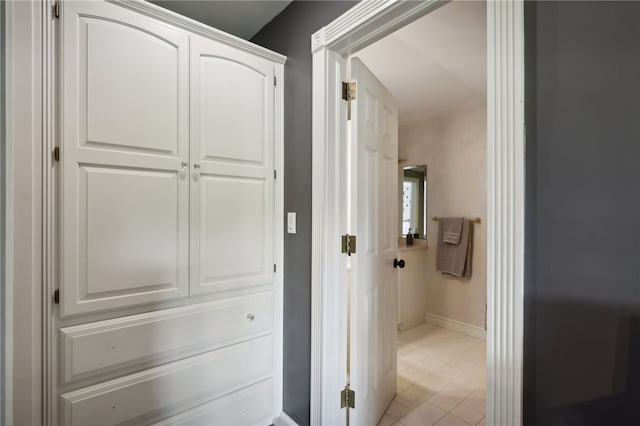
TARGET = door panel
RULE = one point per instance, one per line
(374, 218)
(124, 202)
(233, 111)
(125, 214)
(232, 184)
(148, 68)
(238, 206)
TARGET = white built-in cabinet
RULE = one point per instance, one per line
(170, 211)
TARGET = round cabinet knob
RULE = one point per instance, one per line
(251, 317)
(398, 263)
(196, 171)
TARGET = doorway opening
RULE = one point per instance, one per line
(434, 69)
(336, 212)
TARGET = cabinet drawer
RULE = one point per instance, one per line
(120, 346)
(160, 392)
(249, 406)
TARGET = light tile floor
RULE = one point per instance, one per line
(441, 379)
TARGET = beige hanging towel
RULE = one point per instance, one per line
(452, 229)
(455, 259)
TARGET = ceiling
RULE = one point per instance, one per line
(435, 63)
(241, 18)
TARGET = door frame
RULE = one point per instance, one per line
(360, 26)
(32, 118)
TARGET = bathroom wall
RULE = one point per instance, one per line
(453, 146)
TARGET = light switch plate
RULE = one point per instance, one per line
(291, 222)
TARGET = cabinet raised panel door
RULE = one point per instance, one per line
(232, 95)
(125, 135)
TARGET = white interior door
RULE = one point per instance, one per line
(374, 281)
(125, 136)
(232, 95)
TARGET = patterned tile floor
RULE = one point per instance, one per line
(441, 379)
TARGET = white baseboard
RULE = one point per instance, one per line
(460, 327)
(284, 420)
(407, 325)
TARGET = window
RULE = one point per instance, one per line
(410, 205)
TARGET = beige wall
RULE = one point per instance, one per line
(453, 146)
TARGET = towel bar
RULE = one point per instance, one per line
(436, 218)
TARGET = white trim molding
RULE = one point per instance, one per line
(505, 215)
(29, 68)
(278, 251)
(454, 325)
(161, 14)
(360, 26)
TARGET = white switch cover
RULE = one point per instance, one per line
(291, 222)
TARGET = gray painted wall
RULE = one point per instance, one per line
(290, 34)
(582, 283)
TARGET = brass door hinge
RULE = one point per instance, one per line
(56, 153)
(349, 89)
(56, 297)
(56, 10)
(348, 244)
(347, 397)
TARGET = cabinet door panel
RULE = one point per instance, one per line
(232, 189)
(234, 111)
(131, 227)
(124, 202)
(121, 61)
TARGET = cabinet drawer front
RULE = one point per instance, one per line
(163, 391)
(248, 406)
(141, 341)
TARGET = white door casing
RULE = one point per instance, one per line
(360, 26)
(374, 281)
(125, 136)
(232, 179)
